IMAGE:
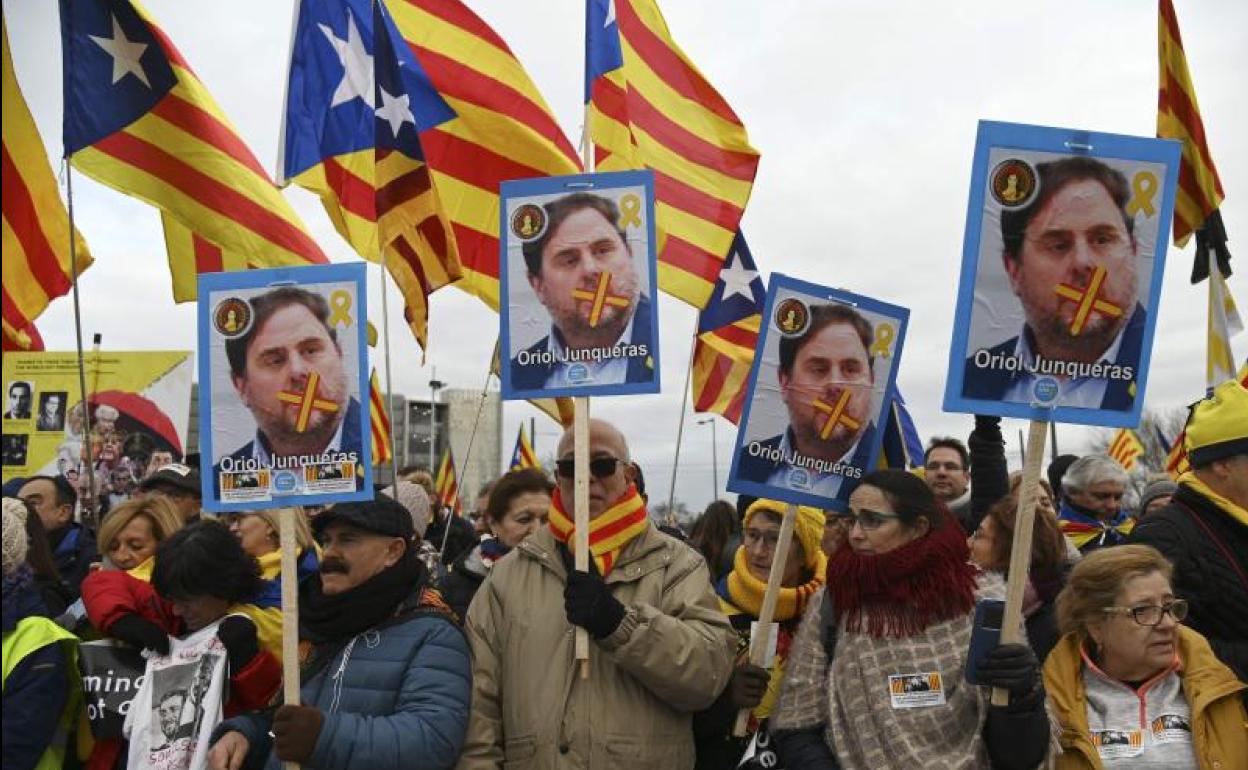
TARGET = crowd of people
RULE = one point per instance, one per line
(428, 640)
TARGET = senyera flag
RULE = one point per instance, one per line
(446, 485)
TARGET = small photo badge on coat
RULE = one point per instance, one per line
(912, 691)
(1116, 744)
(1171, 728)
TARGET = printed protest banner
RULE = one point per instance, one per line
(112, 675)
(282, 366)
(1062, 260)
(579, 311)
(138, 403)
(817, 394)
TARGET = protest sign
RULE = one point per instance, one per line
(577, 267)
(817, 394)
(138, 404)
(1062, 261)
(112, 675)
(282, 366)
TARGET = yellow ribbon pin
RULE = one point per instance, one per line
(883, 344)
(630, 211)
(340, 308)
(1143, 189)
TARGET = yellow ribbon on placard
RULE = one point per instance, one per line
(1143, 189)
(630, 211)
(883, 344)
(340, 308)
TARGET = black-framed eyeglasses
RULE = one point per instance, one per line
(868, 520)
(599, 467)
(1151, 614)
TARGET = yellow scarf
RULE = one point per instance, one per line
(745, 591)
(1236, 512)
(609, 532)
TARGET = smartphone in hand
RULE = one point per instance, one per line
(985, 634)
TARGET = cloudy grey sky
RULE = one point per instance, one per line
(865, 114)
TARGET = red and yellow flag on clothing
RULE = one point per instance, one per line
(36, 261)
(502, 128)
(446, 486)
(379, 416)
(1125, 448)
(650, 107)
(139, 120)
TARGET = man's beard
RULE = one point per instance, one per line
(1098, 333)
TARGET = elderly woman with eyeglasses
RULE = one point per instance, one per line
(1130, 686)
(875, 677)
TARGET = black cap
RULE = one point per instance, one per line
(185, 477)
(382, 515)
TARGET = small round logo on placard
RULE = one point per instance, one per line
(1045, 391)
(792, 317)
(232, 317)
(578, 374)
(1013, 183)
(528, 222)
(284, 482)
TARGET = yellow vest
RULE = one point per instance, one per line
(33, 634)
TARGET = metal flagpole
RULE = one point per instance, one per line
(385, 336)
(89, 510)
(472, 437)
(680, 428)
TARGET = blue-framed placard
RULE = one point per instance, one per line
(578, 304)
(283, 387)
(819, 393)
(1062, 262)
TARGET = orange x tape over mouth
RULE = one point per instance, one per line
(600, 298)
(307, 401)
(1088, 301)
(836, 414)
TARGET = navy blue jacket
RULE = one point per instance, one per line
(395, 698)
(993, 384)
(35, 691)
(73, 550)
(640, 369)
(351, 442)
(759, 469)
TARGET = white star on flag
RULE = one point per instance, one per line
(126, 54)
(357, 65)
(610, 19)
(737, 279)
(395, 111)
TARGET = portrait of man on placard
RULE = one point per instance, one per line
(580, 304)
(51, 411)
(20, 392)
(1066, 255)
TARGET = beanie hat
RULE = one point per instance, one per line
(1217, 427)
(1154, 490)
(15, 545)
(413, 497)
(808, 528)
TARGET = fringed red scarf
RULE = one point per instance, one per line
(609, 532)
(902, 592)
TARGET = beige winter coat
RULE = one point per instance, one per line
(671, 656)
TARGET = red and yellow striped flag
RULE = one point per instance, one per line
(502, 128)
(1125, 448)
(1178, 117)
(650, 107)
(523, 455)
(36, 227)
(446, 486)
(139, 120)
(379, 416)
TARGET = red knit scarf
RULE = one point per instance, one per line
(902, 592)
(609, 532)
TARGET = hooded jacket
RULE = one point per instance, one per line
(670, 656)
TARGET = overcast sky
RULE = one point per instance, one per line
(864, 112)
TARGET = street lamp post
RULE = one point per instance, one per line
(434, 386)
(714, 457)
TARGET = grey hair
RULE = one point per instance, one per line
(1092, 469)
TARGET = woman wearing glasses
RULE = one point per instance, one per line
(1129, 686)
(875, 677)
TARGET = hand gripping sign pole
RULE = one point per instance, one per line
(760, 639)
(290, 611)
(1020, 551)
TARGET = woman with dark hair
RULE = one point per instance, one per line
(716, 536)
(55, 592)
(518, 505)
(875, 676)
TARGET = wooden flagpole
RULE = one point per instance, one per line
(580, 456)
(290, 611)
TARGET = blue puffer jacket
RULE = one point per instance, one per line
(395, 698)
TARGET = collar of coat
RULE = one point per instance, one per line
(642, 555)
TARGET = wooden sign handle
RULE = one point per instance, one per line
(761, 637)
(580, 459)
(290, 610)
(1020, 550)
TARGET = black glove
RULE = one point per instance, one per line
(748, 686)
(1013, 667)
(295, 732)
(589, 602)
(238, 634)
(141, 633)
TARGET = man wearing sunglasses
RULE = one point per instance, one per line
(661, 648)
(828, 361)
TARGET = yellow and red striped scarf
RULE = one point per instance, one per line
(613, 529)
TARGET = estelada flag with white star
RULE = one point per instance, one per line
(356, 102)
(523, 455)
(139, 120)
(728, 335)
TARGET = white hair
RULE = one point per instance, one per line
(1092, 469)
